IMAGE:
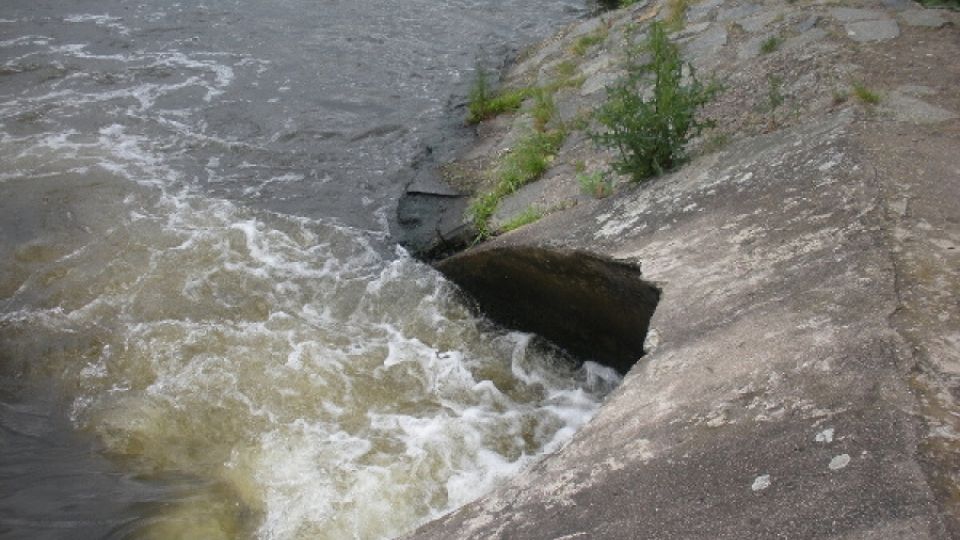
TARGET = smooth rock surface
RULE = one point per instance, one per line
(802, 368)
(929, 18)
(913, 110)
(866, 31)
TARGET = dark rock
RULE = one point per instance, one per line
(430, 214)
(594, 307)
(431, 225)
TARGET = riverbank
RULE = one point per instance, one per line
(802, 363)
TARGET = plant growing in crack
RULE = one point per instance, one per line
(596, 184)
(650, 134)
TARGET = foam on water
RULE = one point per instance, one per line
(303, 380)
(329, 392)
(319, 387)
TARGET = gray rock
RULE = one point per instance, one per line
(594, 307)
(557, 188)
(917, 90)
(929, 18)
(598, 83)
(430, 219)
(554, 47)
(806, 24)
(899, 5)
(693, 29)
(707, 43)
(815, 35)
(761, 20)
(774, 259)
(599, 74)
(702, 10)
(586, 27)
(737, 13)
(856, 14)
(866, 31)
(913, 110)
(751, 48)
(567, 106)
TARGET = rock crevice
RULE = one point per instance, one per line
(594, 307)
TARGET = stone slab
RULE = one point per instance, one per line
(910, 109)
(877, 30)
(773, 401)
(844, 14)
(929, 18)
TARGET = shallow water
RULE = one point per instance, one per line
(204, 329)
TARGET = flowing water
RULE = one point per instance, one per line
(204, 329)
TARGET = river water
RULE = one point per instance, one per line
(205, 331)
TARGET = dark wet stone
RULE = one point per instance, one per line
(594, 307)
(431, 225)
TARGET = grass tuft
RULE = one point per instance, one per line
(949, 4)
(770, 44)
(529, 159)
(528, 216)
(864, 94)
(583, 43)
(566, 69)
(596, 184)
(544, 108)
(676, 14)
(484, 103)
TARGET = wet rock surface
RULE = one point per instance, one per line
(801, 370)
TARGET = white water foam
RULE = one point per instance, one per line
(316, 385)
(333, 391)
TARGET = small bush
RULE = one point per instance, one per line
(650, 134)
(864, 94)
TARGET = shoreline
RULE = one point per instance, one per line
(800, 374)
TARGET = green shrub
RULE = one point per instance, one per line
(650, 134)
